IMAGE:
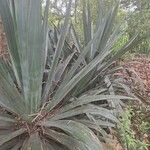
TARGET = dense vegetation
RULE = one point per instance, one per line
(58, 90)
(133, 14)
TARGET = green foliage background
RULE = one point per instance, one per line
(133, 14)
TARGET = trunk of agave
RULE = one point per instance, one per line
(3, 43)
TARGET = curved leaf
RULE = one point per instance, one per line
(77, 131)
(10, 136)
(85, 99)
(68, 141)
(92, 109)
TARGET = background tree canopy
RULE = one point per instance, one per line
(138, 19)
(133, 14)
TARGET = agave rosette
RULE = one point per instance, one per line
(62, 107)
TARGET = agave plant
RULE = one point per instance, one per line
(60, 108)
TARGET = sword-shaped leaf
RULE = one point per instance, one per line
(78, 131)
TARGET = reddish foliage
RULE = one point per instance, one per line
(137, 75)
(141, 66)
